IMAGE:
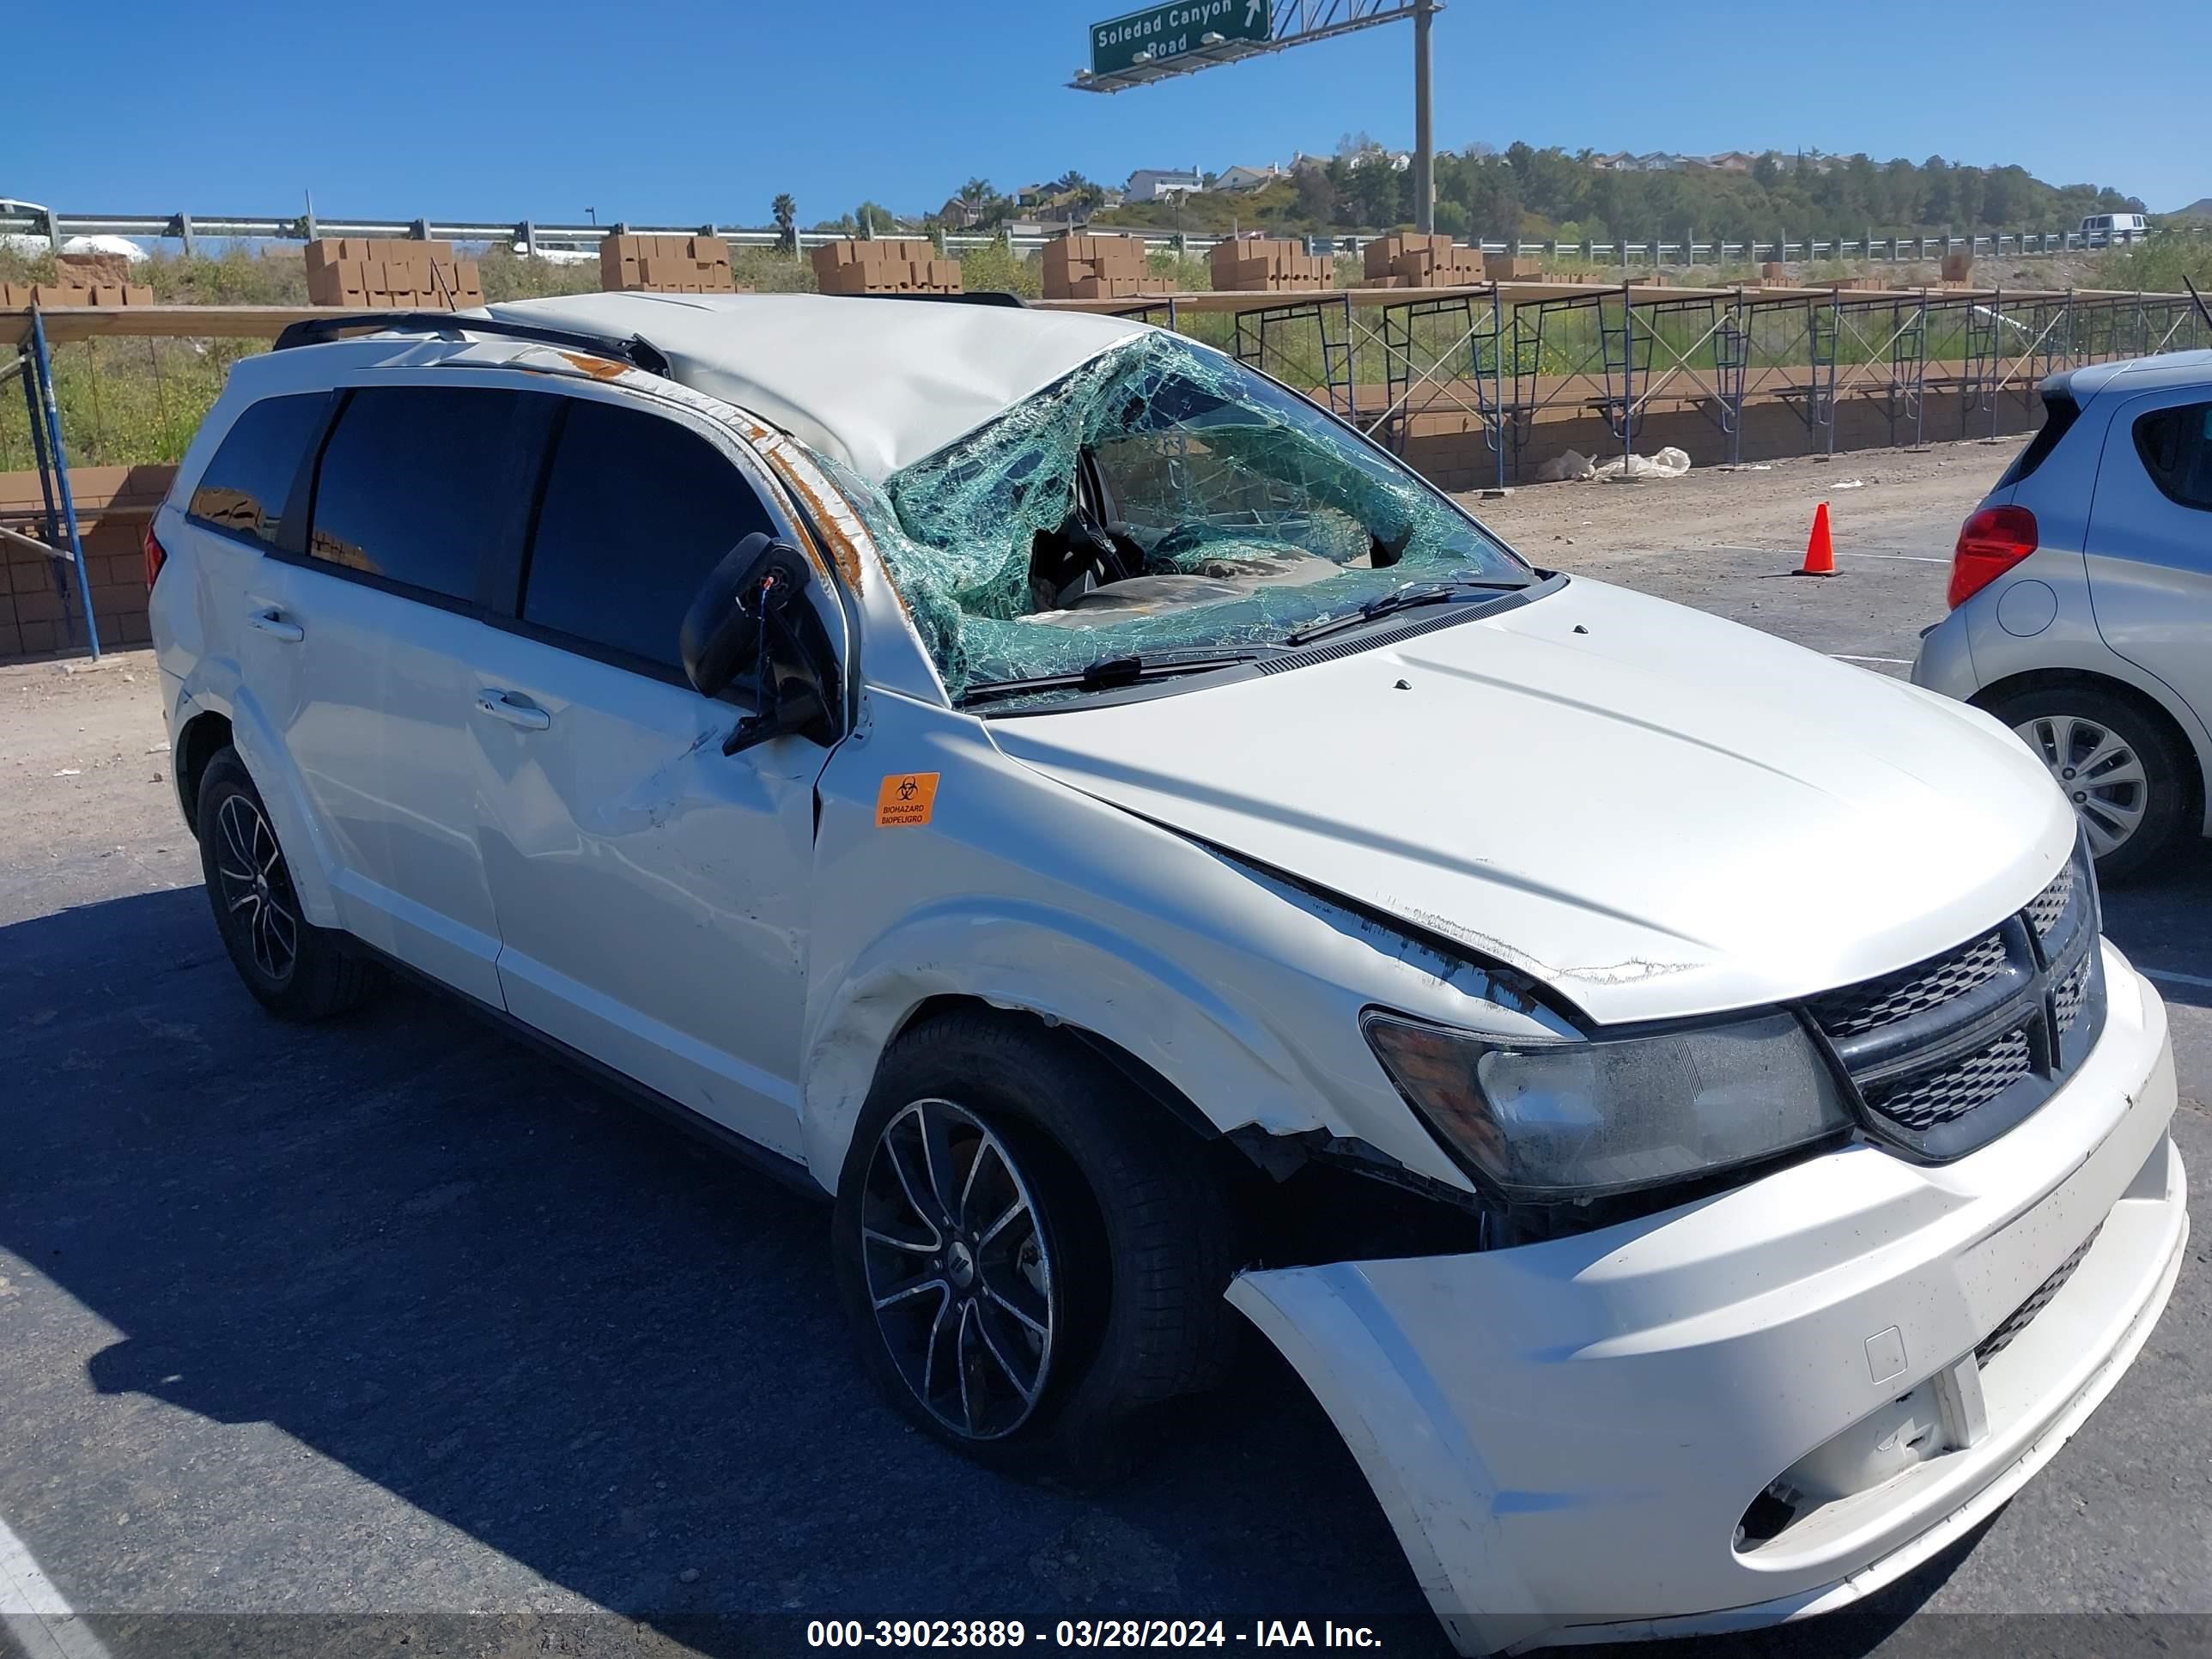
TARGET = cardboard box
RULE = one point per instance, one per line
(94, 270)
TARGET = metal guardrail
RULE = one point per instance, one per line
(527, 235)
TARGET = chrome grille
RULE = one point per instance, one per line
(1941, 1096)
(2048, 907)
(2017, 1320)
(1951, 1052)
(1879, 1002)
(2073, 997)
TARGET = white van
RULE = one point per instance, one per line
(1155, 863)
(2104, 229)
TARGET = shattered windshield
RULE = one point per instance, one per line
(1162, 499)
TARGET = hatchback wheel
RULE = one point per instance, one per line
(296, 970)
(1029, 1253)
(2116, 765)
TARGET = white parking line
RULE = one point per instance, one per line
(1908, 558)
(32, 1610)
(2177, 979)
(1841, 553)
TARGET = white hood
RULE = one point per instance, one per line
(1667, 815)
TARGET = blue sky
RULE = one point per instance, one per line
(678, 111)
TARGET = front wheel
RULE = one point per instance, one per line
(2116, 763)
(1029, 1254)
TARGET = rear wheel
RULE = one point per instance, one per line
(297, 970)
(1030, 1256)
(2118, 765)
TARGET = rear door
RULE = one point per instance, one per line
(652, 894)
(421, 489)
(2150, 539)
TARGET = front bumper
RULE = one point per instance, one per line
(1568, 1436)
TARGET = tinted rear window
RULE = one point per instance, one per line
(2060, 411)
(419, 484)
(2176, 447)
(243, 492)
(637, 510)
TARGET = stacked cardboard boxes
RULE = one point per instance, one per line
(94, 270)
(1083, 266)
(1573, 278)
(665, 265)
(887, 265)
(374, 274)
(1408, 260)
(1774, 273)
(17, 296)
(1256, 265)
(1958, 269)
(1515, 270)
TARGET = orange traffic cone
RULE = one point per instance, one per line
(1819, 551)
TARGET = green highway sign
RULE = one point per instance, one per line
(1171, 30)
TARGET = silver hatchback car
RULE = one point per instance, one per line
(2082, 601)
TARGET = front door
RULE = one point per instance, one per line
(652, 893)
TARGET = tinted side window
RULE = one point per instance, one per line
(418, 483)
(243, 491)
(2176, 447)
(637, 510)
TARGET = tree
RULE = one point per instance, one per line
(977, 192)
(786, 222)
(1317, 198)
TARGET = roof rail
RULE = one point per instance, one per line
(632, 350)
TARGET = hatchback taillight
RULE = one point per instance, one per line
(1990, 543)
(157, 556)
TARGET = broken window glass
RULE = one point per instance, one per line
(1161, 498)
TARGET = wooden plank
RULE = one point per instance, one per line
(68, 324)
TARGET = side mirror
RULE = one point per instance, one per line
(751, 620)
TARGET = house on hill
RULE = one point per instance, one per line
(1155, 184)
(1245, 177)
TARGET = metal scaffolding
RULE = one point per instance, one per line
(32, 365)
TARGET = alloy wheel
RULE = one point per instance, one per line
(959, 1270)
(2100, 771)
(256, 887)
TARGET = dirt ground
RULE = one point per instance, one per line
(1879, 501)
(87, 808)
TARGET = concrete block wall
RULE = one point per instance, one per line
(38, 609)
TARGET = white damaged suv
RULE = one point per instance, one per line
(1162, 867)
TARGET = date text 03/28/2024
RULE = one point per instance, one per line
(1085, 1633)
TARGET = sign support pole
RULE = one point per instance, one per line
(1425, 153)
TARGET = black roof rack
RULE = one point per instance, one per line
(632, 350)
(990, 297)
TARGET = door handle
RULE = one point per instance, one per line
(272, 621)
(513, 708)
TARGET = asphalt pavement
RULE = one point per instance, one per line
(389, 1335)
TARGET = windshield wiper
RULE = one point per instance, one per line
(1401, 599)
(1111, 674)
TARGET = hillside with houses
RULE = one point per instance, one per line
(1523, 190)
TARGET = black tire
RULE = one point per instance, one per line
(1134, 1231)
(2065, 723)
(297, 970)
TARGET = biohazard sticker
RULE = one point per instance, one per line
(905, 798)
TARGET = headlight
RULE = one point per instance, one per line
(1575, 1120)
